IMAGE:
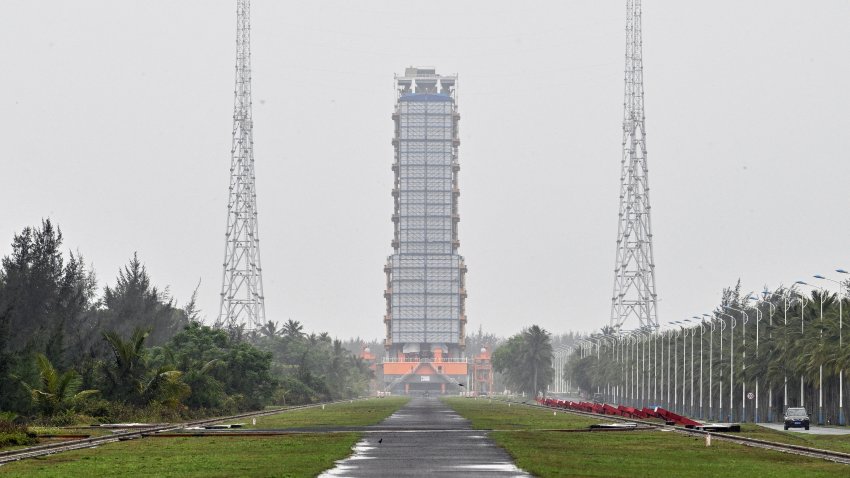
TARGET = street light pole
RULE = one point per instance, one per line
(676, 368)
(720, 382)
(820, 367)
(803, 303)
(745, 319)
(758, 319)
(732, 325)
(841, 297)
(691, 405)
(701, 332)
(771, 309)
(785, 308)
(710, 364)
(684, 362)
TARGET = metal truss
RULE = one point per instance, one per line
(634, 294)
(242, 300)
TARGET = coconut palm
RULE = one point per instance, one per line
(293, 329)
(270, 329)
(58, 391)
(536, 356)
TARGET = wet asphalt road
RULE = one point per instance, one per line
(813, 430)
(425, 438)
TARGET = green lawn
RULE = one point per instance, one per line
(498, 415)
(91, 431)
(356, 413)
(827, 442)
(624, 454)
(280, 456)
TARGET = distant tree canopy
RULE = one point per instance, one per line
(135, 302)
(311, 367)
(45, 304)
(525, 360)
(782, 336)
(134, 347)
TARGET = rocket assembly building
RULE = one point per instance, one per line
(425, 292)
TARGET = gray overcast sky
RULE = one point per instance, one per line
(115, 119)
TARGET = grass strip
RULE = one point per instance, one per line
(276, 456)
(356, 413)
(839, 443)
(624, 454)
(285, 456)
(491, 414)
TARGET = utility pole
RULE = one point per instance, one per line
(242, 300)
(634, 294)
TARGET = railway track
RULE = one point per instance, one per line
(830, 455)
(53, 448)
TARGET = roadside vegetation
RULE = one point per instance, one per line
(498, 414)
(297, 455)
(281, 456)
(825, 442)
(13, 433)
(623, 454)
(786, 333)
(346, 414)
(525, 361)
(75, 352)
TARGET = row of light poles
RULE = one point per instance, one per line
(642, 382)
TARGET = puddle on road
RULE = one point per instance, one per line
(345, 466)
(504, 466)
(338, 470)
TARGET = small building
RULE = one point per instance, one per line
(482, 373)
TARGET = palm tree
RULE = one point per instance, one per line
(293, 329)
(536, 355)
(126, 373)
(270, 329)
(131, 378)
(58, 391)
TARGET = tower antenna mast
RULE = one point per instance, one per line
(634, 294)
(242, 300)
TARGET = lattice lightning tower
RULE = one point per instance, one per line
(634, 283)
(242, 299)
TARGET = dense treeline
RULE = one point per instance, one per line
(525, 361)
(130, 352)
(749, 359)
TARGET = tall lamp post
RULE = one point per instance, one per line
(720, 382)
(841, 296)
(678, 332)
(803, 303)
(732, 325)
(820, 366)
(758, 319)
(701, 332)
(691, 405)
(684, 330)
(670, 354)
(745, 319)
(759, 315)
(785, 308)
(710, 363)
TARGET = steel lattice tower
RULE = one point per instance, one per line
(242, 300)
(634, 282)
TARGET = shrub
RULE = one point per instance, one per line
(14, 434)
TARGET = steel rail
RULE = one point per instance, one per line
(830, 455)
(10, 456)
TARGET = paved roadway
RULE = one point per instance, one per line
(813, 430)
(425, 438)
